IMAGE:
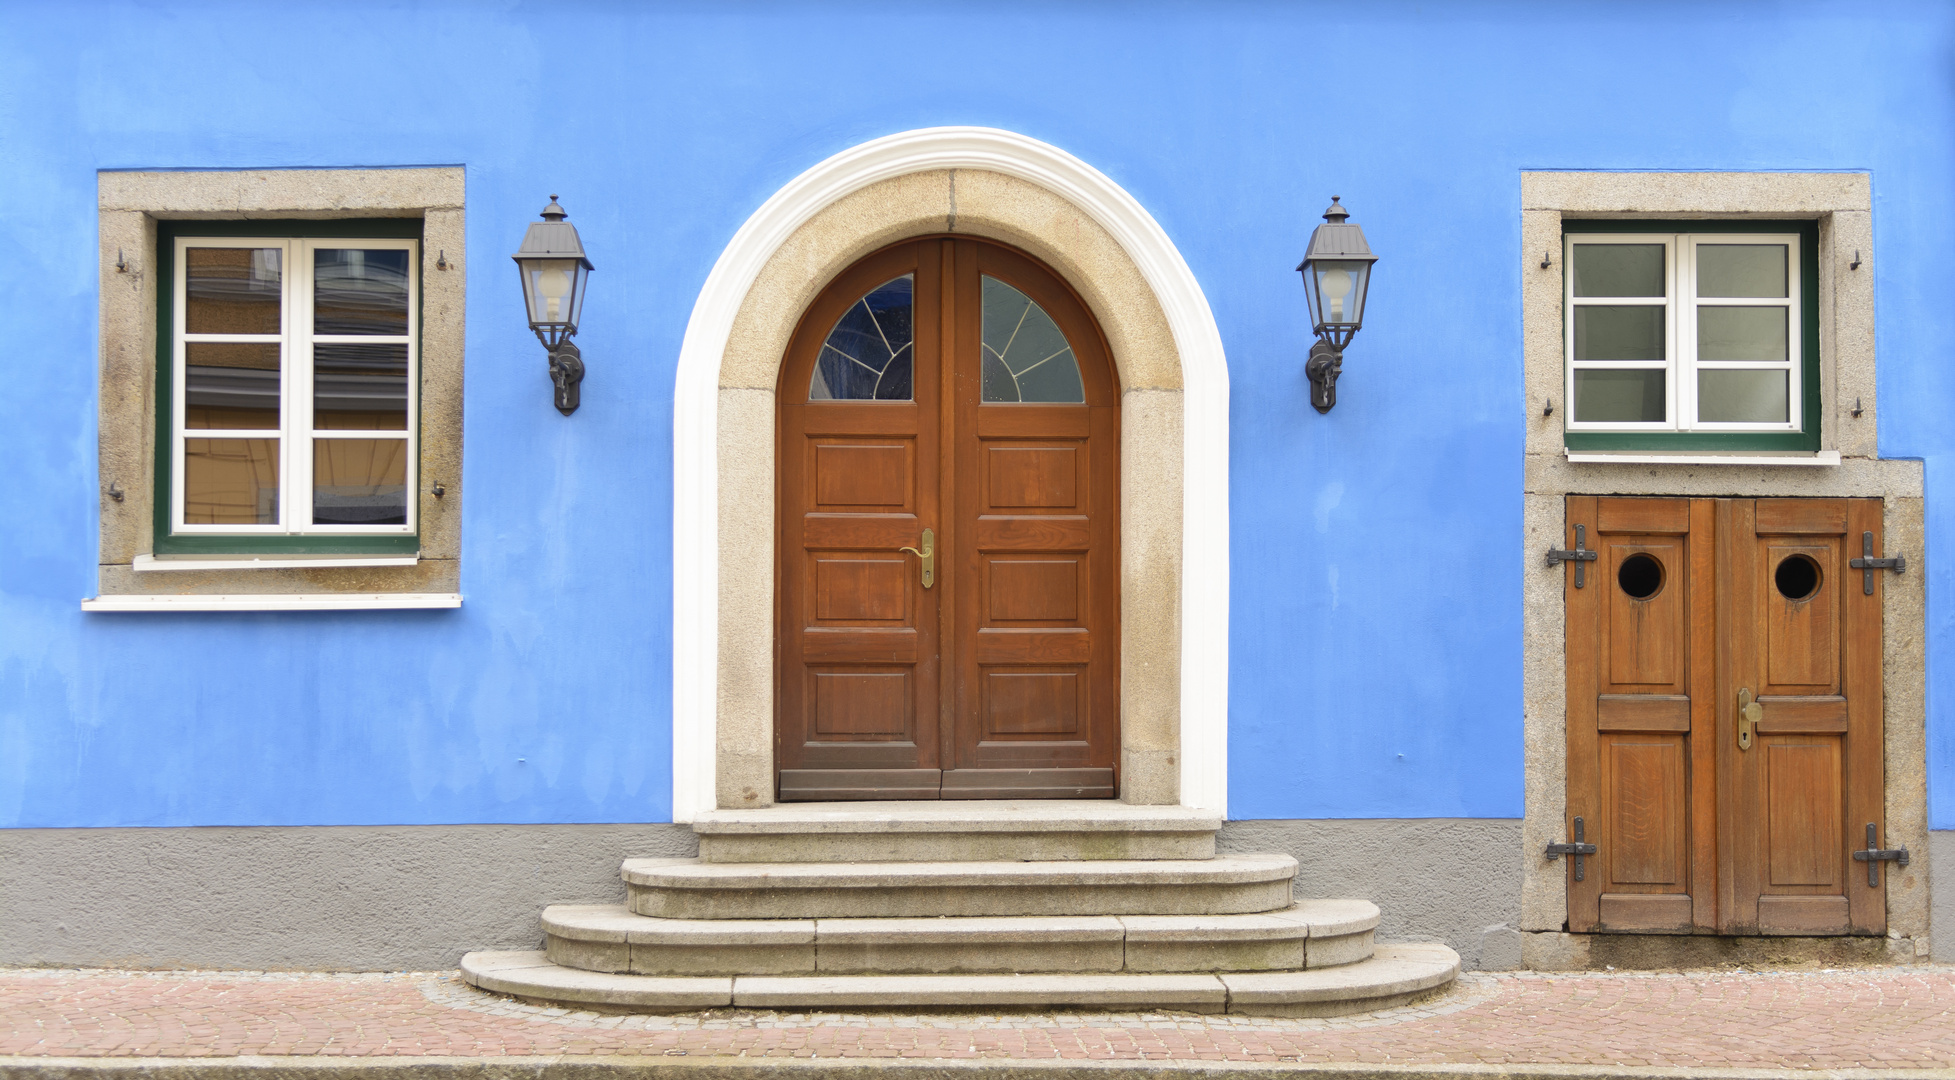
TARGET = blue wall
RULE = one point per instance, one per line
(1376, 612)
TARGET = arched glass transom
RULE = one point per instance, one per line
(868, 356)
(1026, 357)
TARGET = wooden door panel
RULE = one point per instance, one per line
(1802, 811)
(1802, 642)
(1696, 829)
(857, 672)
(1000, 679)
(1643, 788)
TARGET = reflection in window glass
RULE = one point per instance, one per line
(231, 290)
(359, 291)
(1618, 270)
(1742, 397)
(359, 387)
(1741, 270)
(1606, 332)
(231, 385)
(359, 481)
(1619, 397)
(230, 481)
(1026, 357)
(868, 356)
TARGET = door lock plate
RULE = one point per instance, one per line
(1750, 712)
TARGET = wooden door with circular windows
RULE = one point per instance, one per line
(947, 546)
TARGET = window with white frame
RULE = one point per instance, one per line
(292, 408)
(1673, 334)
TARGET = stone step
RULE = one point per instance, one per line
(980, 831)
(1396, 974)
(691, 889)
(1310, 934)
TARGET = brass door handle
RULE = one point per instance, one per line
(927, 556)
(1750, 712)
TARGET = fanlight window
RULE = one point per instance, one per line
(1026, 357)
(868, 356)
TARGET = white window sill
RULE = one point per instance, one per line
(144, 564)
(275, 602)
(1594, 457)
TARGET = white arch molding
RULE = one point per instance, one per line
(1205, 432)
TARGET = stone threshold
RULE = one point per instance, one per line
(932, 816)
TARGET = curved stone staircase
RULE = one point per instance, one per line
(965, 905)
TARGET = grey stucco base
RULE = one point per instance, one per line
(382, 898)
(418, 897)
(1941, 896)
(1453, 880)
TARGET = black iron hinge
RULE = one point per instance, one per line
(1875, 855)
(1577, 849)
(1868, 563)
(1580, 555)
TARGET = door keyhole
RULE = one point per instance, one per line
(1640, 576)
(1797, 577)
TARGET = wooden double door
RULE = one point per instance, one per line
(1725, 716)
(947, 620)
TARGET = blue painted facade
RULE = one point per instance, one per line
(1376, 615)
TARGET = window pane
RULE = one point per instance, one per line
(1619, 333)
(359, 291)
(230, 385)
(1619, 397)
(1619, 270)
(231, 290)
(1742, 397)
(1741, 333)
(359, 481)
(230, 481)
(359, 387)
(1741, 269)
(867, 356)
(1026, 357)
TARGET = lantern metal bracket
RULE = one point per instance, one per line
(1326, 363)
(566, 371)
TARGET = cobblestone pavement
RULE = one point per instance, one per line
(1874, 1018)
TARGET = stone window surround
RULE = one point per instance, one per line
(1002, 186)
(129, 205)
(1841, 202)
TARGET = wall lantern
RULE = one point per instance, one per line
(1336, 271)
(554, 271)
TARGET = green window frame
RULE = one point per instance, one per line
(1806, 368)
(168, 540)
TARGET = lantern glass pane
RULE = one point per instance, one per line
(1338, 298)
(551, 288)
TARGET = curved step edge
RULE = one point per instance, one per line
(1398, 974)
(1395, 975)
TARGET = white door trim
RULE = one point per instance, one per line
(1205, 436)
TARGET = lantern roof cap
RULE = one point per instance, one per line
(1336, 239)
(553, 238)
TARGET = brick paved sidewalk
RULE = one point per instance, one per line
(1881, 1020)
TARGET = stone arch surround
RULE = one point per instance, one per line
(1174, 445)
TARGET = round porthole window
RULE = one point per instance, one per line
(1640, 576)
(1797, 577)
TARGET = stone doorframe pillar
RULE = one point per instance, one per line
(1174, 510)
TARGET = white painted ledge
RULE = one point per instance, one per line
(276, 602)
(144, 564)
(1601, 457)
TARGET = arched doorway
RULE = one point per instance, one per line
(947, 553)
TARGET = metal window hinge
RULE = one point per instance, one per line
(1575, 850)
(1875, 855)
(1580, 555)
(1868, 563)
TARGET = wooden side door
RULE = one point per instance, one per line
(1034, 699)
(1639, 716)
(858, 672)
(1803, 642)
(1724, 716)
